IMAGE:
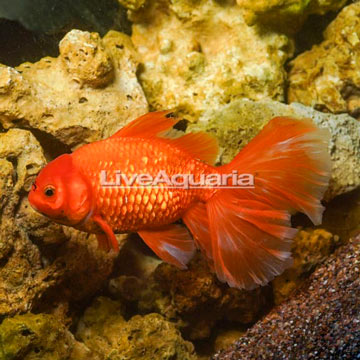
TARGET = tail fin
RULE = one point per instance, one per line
(250, 229)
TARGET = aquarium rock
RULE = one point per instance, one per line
(319, 322)
(104, 330)
(40, 337)
(286, 15)
(200, 55)
(327, 77)
(132, 4)
(237, 123)
(310, 248)
(194, 298)
(85, 94)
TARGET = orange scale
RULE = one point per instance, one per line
(124, 210)
(145, 199)
(153, 198)
(138, 199)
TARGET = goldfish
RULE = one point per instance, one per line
(244, 232)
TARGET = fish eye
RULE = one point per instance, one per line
(49, 191)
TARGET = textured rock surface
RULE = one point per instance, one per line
(104, 330)
(132, 4)
(309, 248)
(237, 123)
(342, 215)
(328, 76)
(321, 322)
(39, 260)
(85, 94)
(286, 15)
(200, 54)
(39, 337)
(194, 298)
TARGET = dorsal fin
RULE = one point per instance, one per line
(148, 125)
(200, 145)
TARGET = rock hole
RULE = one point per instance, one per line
(26, 332)
(51, 145)
(181, 125)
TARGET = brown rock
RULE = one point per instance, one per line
(42, 264)
(309, 249)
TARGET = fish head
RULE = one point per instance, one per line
(61, 192)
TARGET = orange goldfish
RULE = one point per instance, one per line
(244, 231)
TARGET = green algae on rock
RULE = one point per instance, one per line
(132, 4)
(310, 248)
(237, 123)
(328, 76)
(200, 54)
(286, 15)
(105, 331)
(39, 337)
(87, 93)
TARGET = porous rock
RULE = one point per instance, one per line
(39, 337)
(85, 94)
(237, 123)
(194, 297)
(327, 77)
(201, 54)
(309, 248)
(286, 15)
(105, 331)
(322, 321)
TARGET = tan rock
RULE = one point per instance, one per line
(85, 94)
(237, 123)
(201, 54)
(86, 59)
(327, 77)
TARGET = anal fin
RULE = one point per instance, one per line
(172, 243)
(196, 219)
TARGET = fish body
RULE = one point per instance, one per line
(245, 233)
(133, 208)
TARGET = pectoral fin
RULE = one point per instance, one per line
(108, 239)
(172, 244)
